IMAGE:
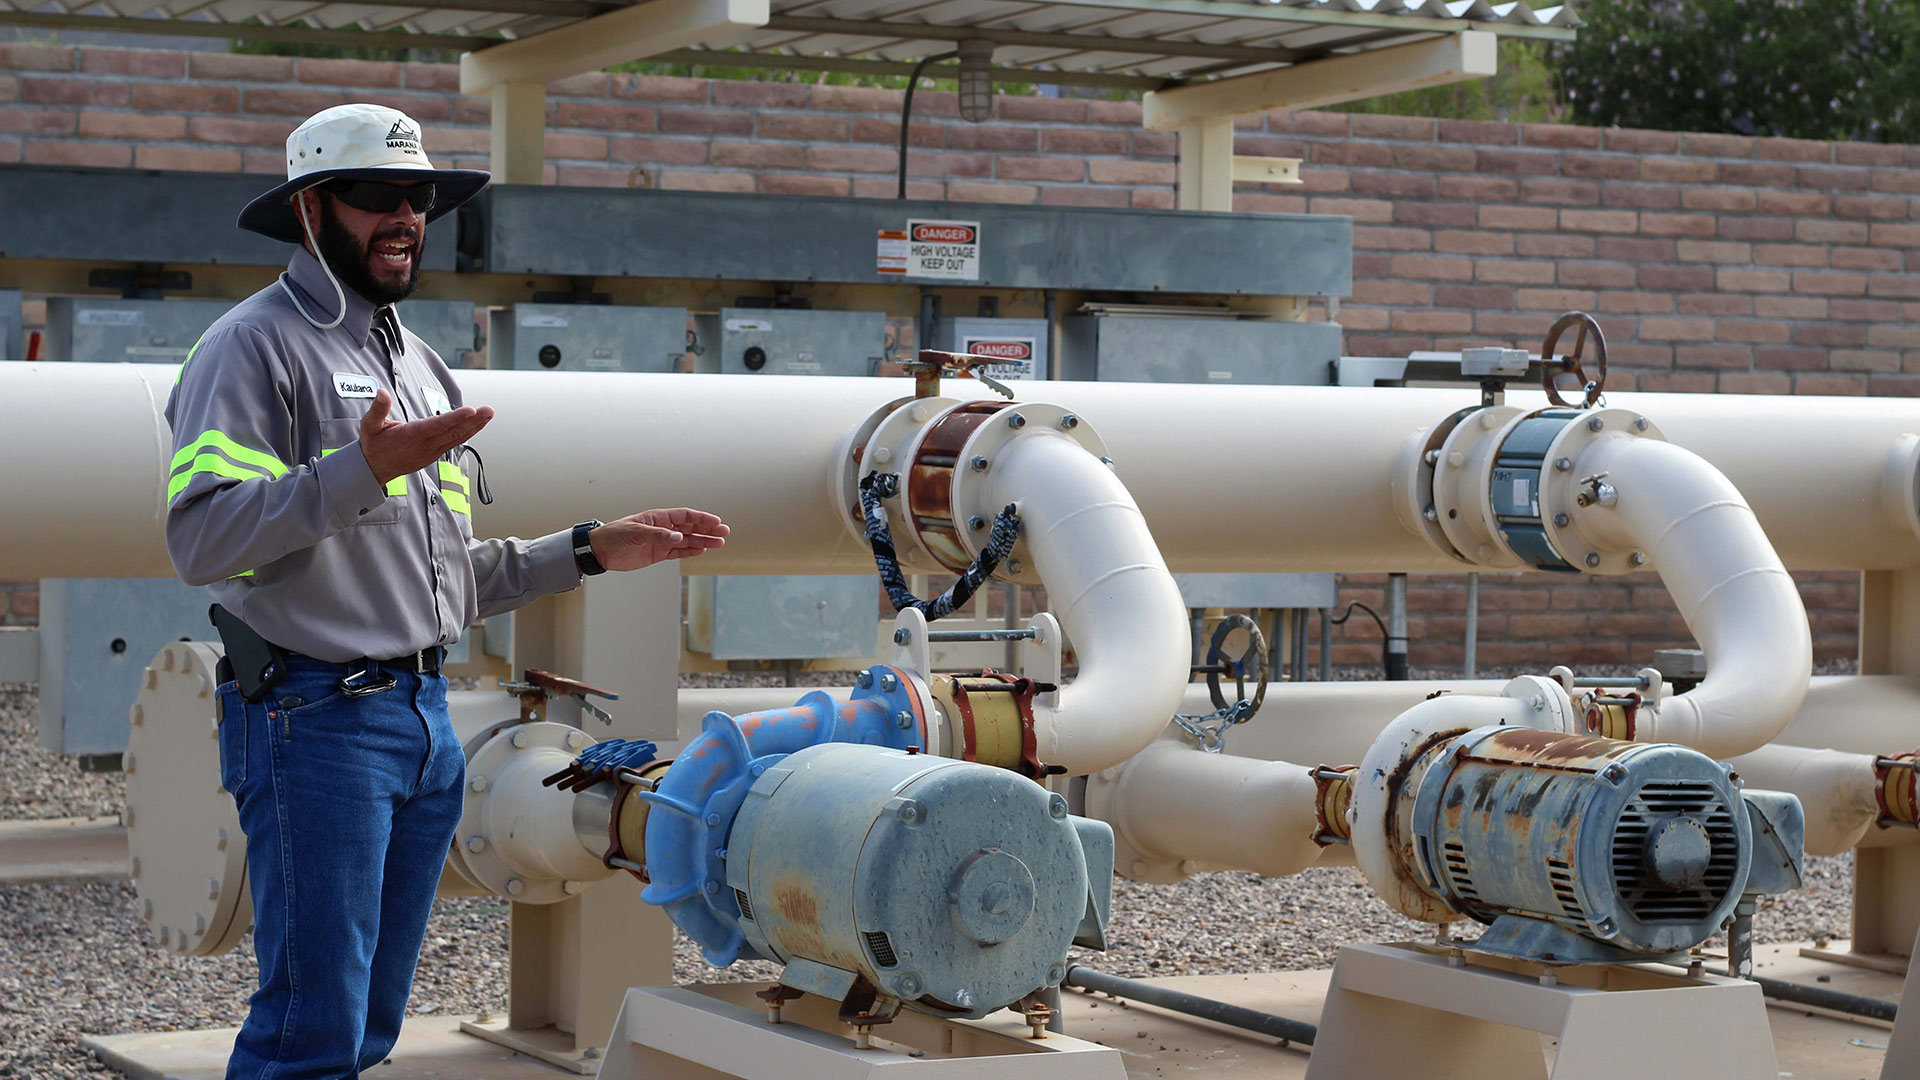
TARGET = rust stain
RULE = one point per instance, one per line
(800, 909)
(1532, 744)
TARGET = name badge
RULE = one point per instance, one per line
(436, 400)
(349, 385)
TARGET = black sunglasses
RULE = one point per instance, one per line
(378, 197)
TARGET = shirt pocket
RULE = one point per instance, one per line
(342, 432)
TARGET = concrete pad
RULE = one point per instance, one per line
(63, 849)
(1153, 1043)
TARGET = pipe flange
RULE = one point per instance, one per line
(1560, 491)
(1104, 798)
(892, 447)
(477, 835)
(1021, 420)
(1462, 475)
(1900, 484)
(189, 857)
(853, 457)
(1413, 482)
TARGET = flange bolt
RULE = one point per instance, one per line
(1069, 421)
(1016, 421)
(1562, 464)
(864, 680)
(1561, 519)
(903, 719)
(902, 635)
(978, 463)
(976, 523)
(1593, 558)
(1596, 424)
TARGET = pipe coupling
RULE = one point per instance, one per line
(993, 712)
(1332, 795)
(1896, 788)
(1611, 716)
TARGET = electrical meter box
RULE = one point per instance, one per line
(792, 341)
(1019, 344)
(96, 637)
(1124, 348)
(446, 326)
(101, 330)
(12, 335)
(783, 618)
(586, 337)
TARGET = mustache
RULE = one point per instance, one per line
(404, 232)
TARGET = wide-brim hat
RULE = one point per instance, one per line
(360, 142)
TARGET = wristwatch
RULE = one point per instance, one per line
(583, 548)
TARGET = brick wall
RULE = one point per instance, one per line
(1714, 262)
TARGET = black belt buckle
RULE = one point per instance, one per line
(365, 682)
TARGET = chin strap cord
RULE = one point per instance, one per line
(1006, 529)
(300, 209)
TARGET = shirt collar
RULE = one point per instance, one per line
(311, 278)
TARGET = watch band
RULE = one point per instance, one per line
(583, 558)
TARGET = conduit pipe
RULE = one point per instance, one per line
(88, 451)
(1836, 789)
(1710, 551)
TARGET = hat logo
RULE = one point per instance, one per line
(403, 138)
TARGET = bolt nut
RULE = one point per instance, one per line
(864, 680)
(1561, 519)
(889, 683)
(1069, 421)
(1639, 423)
(909, 812)
(519, 740)
(979, 464)
(476, 844)
(902, 635)
(903, 719)
(590, 1053)
(1432, 456)
(1057, 806)
(1638, 558)
(478, 783)
(1596, 424)
(976, 523)
(907, 987)
(1593, 558)
(1055, 974)
(1430, 514)
(711, 886)
(1107, 461)
(1016, 421)
(515, 886)
(1013, 566)
(1562, 464)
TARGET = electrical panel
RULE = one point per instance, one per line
(103, 330)
(97, 636)
(1125, 348)
(446, 326)
(12, 339)
(783, 617)
(792, 341)
(587, 337)
(1020, 345)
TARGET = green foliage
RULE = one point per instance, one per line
(1525, 89)
(1814, 69)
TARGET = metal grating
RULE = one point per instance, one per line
(746, 906)
(1655, 802)
(1560, 873)
(1127, 43)
(881, 947)
(1457, 872)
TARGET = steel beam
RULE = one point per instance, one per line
(1092, 43)
(889, 67)
(630, 33)
(1471, 54)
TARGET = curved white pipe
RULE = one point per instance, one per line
(1837, 791)
(1111, 591)
(1180, 810)
(1730, 586)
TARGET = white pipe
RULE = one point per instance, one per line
(531, 824)
(1836, 790)
(1111, 591)
(1174, 803)
(1306, 471)
(1723, 574)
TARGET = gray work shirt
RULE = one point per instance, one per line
(272, 506)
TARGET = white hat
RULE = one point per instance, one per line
(363, 142)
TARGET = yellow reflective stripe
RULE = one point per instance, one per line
(209, 463)
(397, 486)
(452, 473)
(241, 574)
(457, 502)
(219, 440)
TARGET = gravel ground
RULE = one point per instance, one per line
(75, 959)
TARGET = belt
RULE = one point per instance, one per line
(425, 662)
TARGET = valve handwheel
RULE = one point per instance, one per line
(1571, 364)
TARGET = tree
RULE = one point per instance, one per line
(1815, 69)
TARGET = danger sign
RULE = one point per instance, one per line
(944, 249)
(1015, 353)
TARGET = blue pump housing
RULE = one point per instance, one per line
(702, 793)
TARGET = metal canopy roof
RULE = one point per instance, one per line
(1145, 44)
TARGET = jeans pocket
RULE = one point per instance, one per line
(233, 738)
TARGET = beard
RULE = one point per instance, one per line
(352, 261)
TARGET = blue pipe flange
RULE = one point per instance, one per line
(687, 847)
(1514, 491)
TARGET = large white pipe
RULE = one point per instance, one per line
(1836, 790)
(1306, 470)
(1112, 593)
(1728, 583)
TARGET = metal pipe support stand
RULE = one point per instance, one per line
(1403, 1011)
(721, 1029)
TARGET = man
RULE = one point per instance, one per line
(319, 490)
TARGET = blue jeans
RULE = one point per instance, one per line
(349, 805)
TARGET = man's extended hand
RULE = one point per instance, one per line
(395, 448)
(652, 536)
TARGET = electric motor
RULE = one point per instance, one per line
(1578, 848)
(951, 886)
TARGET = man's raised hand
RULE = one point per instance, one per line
(396, 448)
(651, 536)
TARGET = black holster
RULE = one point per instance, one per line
(252, 661)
